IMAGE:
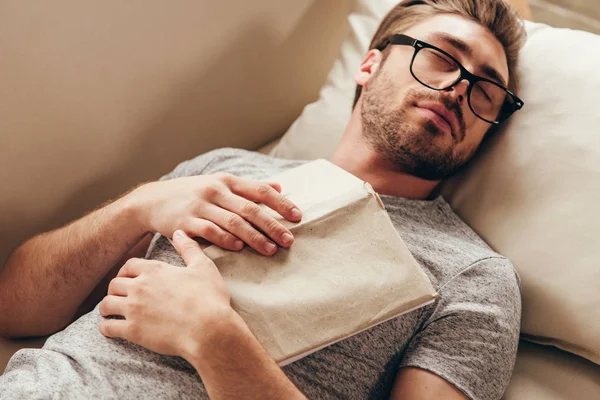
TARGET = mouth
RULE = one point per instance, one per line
(441, 116)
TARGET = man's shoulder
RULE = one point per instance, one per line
(199, 164)
(239, 162)
(245, 163)
(443, 243)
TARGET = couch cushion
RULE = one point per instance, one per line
(546, 373)
(531, 192)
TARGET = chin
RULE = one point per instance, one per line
(427, 133)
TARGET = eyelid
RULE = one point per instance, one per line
(457, 55)
(443, 57)
(451, 52)
(477, 87)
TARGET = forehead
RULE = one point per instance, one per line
(486, 48)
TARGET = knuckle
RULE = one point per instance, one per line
(132, 262)
(128, 266)
(234, 222)
(139, 290)
(150, 266)
(274, 227)
(264, 190)
(249, 209)
(211, 190)
(285, 204)
(224, 177)
(207, 230)
(227, 238)
(258, 239)
(187, 223)
(157, 267)
(133, 307)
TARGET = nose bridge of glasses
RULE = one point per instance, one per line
(459, 86)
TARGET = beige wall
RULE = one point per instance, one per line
(98, 96)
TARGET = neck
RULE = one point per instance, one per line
(355, 156)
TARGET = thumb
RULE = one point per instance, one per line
(189, 249)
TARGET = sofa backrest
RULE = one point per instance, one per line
(97, 98)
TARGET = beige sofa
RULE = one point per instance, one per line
(95, 99)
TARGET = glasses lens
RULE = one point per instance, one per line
(488, 99)
(434, 69)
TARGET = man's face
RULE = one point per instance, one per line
(396, 114)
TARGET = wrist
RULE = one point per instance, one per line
(225, 333)
(135, 207)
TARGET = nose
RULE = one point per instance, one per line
(459, 91)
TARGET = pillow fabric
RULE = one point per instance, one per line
(532, 190)
(316, 133)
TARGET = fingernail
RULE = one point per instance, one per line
(295, 213)
(179, 233)
(238, 244)
(286, 238)
(270, 247)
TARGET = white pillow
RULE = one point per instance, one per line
(532, 193)
(316, 133)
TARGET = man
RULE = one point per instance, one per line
(428, 91)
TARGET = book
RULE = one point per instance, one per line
(347, 271)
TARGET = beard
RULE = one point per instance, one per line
(409, 145)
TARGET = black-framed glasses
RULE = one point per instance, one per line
(434, 68)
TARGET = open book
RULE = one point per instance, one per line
(348, 269)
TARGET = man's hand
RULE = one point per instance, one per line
(167, 309)
(219, 208)
(187, 312)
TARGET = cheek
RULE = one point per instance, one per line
(476, 129)
(398, 74)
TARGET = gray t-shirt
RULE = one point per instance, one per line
(469, 336)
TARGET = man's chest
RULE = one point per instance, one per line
(362, 366)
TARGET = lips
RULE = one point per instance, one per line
(445, 114)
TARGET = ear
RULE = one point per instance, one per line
(368, 67)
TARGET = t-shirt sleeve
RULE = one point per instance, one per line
(219, 160)
(472, 335)
(192, 167)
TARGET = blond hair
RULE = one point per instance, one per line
(495, 15)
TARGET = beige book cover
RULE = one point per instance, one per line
(348, 269)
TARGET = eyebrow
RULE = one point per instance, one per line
(464, 48)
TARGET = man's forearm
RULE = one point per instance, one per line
(48, 277)
(233, 364)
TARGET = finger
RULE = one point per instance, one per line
(190, 251)
(238, 226)
(261, 192)
(132, 268)
(115, 328)
(213, 233)
(113, 305)
(251, 212)
(119, 286)
(275, 185)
